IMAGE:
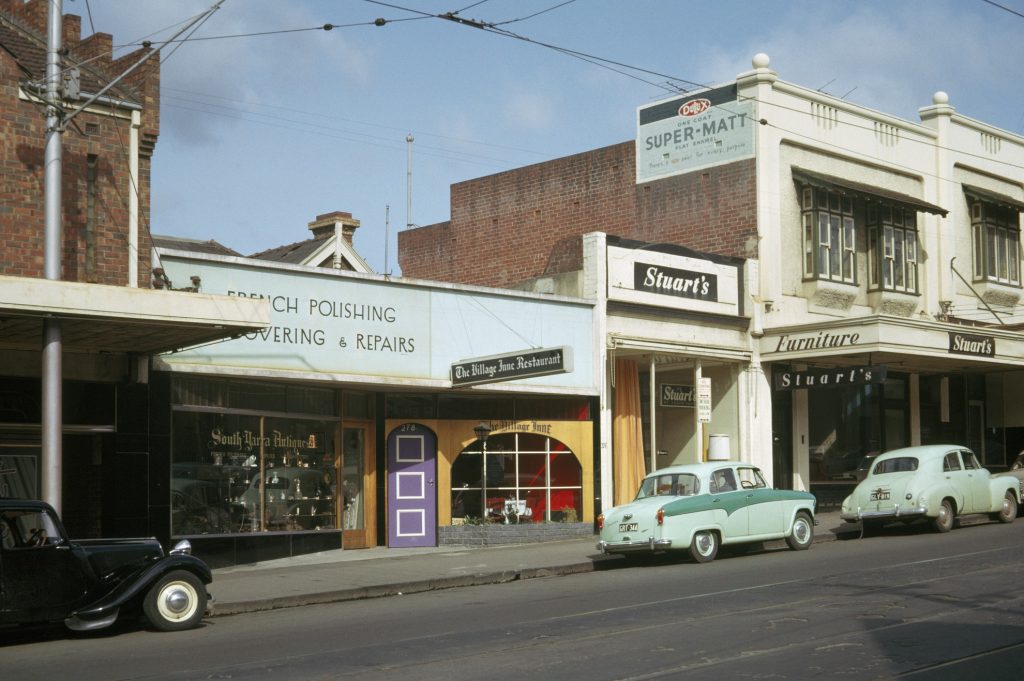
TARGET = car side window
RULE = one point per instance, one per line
(28, 530)
(951, 462)
(723, 480)
(751, 478)
(970, 463)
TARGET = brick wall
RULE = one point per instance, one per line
(93, 249)
(526, 223)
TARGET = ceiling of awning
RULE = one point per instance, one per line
(866, 191)
(114, 319)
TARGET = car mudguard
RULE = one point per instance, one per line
(136, 586)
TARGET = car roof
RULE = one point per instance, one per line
(922, 451)
(699, 469)
(24, 503)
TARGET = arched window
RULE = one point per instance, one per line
(524, 477)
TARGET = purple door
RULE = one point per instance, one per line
(412, 486)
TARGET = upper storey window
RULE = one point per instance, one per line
(830, 250)
(996, 233)
(892, 248)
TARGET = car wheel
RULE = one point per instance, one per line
(1008, 512)
(802, 534)
(944, 520)
(704, 546)
(176, 601)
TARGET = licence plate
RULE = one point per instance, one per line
(880, 495)
(628, 527)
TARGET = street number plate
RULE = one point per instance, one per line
(628, 527)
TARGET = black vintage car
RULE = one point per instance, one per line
(46, 577)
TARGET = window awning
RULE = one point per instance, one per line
(865, 191)
(993, 197)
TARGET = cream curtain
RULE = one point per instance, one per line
(627, 432)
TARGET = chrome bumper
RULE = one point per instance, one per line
(650, 544)
(895, 512)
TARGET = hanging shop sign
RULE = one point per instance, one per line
(704, 399)
(684, 134)
(675, 278)
(509, 367)
(972, 344)
(672, 395)
(836, 377)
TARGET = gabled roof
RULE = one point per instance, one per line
(317, 252)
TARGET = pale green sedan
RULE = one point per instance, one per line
(936, 482)
(699, 507)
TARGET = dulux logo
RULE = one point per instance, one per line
(694, 107)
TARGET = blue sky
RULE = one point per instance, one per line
(261, 133)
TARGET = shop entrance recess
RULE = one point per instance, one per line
(412, 486)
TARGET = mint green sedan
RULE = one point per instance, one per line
(933, 482)
(697, 508)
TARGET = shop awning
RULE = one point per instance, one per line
(993, 197)
(865, 191)
(119, 319)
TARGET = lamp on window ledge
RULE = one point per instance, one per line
(482, 430)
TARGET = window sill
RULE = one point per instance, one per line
(998, 294)
(831, 295)
(896, 303)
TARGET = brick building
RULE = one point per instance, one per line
(109, 321)
(863, 246)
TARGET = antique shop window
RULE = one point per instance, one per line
(517, 477)
(253, 457)
(829, 235)
(892, 248)
(996, 243)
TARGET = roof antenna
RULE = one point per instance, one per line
(408, 181)
(387, 237)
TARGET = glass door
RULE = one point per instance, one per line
(357, 480)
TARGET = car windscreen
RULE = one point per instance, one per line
(900, 464)
(669, 484)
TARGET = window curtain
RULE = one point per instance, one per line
(627, 433)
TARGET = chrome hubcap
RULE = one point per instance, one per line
(800, 531)
(176, 601)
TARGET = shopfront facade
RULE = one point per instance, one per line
(354, 419)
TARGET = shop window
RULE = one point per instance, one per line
(517, 478)
(226, 479)
(996, 232)
(892, 248)
(829, 235)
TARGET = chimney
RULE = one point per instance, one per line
(325, 225)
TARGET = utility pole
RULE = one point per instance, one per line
(51, 468)
(52, 416)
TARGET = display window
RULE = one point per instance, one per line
(517, 477)
(253, 473)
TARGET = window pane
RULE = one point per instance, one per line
(531, 470)
(565, 470)
(990, 252)
(835, 266)
(1001, 256)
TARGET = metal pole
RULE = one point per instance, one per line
(408, 181)
(52, 347)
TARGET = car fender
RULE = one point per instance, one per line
(998, 487)
(934, 494)
(796, 508)
(684, 527)
(136, 586)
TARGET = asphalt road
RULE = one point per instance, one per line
(907, 604)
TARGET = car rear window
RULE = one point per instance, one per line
(673, 484)
(900, 464)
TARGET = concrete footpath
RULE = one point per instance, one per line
(344, 575)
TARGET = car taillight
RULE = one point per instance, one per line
(600, 522)
(661, 516)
